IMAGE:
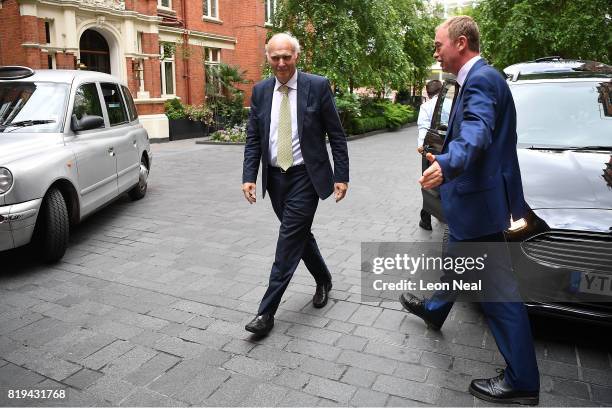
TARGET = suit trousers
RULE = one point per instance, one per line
(507, 320)
(295, 202)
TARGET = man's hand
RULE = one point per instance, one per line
(420, 150)
(250, 192)
(340, 190)
(432, 177)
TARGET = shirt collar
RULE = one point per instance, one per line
(465, 69)
(292, 83)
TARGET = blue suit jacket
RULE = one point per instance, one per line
(482, 184)
(317, 116)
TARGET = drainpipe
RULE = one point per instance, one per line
(186, 75)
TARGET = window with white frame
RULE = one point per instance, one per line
(211, 8)
(164, 4)
(270, 6)
(212, 61)
(213, 56)
(167, 68)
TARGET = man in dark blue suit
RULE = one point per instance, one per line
(291, 113)
(481, 189)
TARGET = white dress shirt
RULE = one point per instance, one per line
(465, 69)
(424, 121)
(274, 114)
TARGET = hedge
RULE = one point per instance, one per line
(396, 115)
(367, 124)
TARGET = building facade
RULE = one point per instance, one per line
(452, 7)
(158, 47)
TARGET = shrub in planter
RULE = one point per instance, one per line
(174, 109)
(187, 121)
(228, 112)
(199, 113)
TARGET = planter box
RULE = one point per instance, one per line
(186, 129)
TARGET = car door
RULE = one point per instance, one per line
(434, 141)
(124, 136)
(95, 159)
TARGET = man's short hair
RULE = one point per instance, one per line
(466, 26)
(433, 88)
(295, 43)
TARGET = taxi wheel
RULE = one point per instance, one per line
(140, 189)
(52, 227)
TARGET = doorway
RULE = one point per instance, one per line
(94, 51)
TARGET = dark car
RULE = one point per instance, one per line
(562, 250)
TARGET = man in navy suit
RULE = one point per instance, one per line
(481, 189)
(291, 113)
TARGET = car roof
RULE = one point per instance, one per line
(557, 68)
(63, 76)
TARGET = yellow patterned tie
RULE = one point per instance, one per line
(284, 154)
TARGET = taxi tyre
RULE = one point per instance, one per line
(52, 227)
(140, 189)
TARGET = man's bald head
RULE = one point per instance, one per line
(283, 51)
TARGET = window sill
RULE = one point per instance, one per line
(161, 99)
(165, 10)
(212, 20)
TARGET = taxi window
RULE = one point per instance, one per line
(87, 101)
(130, 103)
(115, 106)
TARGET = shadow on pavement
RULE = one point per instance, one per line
(24, 260)
(551, 329)
(18, 261)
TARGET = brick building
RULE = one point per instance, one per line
(158, 47)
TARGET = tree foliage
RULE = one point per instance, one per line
(420, 22)
(519, 30)
(359, 43)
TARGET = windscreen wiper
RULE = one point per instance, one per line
(583, 148)
(26, 123)
(553, 148)
(574, 148)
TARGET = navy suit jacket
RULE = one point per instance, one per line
(482, 184)
(317, 116)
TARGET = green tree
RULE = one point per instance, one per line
(521, 30)
(355, 43)
(419, 22)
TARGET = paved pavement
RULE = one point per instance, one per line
(148, 306)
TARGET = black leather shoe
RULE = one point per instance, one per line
(496, 389)
(425, 225)
(321, 295)
(425, 221)
(416, 306)
(261, 325)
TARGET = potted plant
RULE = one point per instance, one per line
(187, 121)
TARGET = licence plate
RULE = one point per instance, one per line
(595, 283)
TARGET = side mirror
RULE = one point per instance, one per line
(87, 122)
